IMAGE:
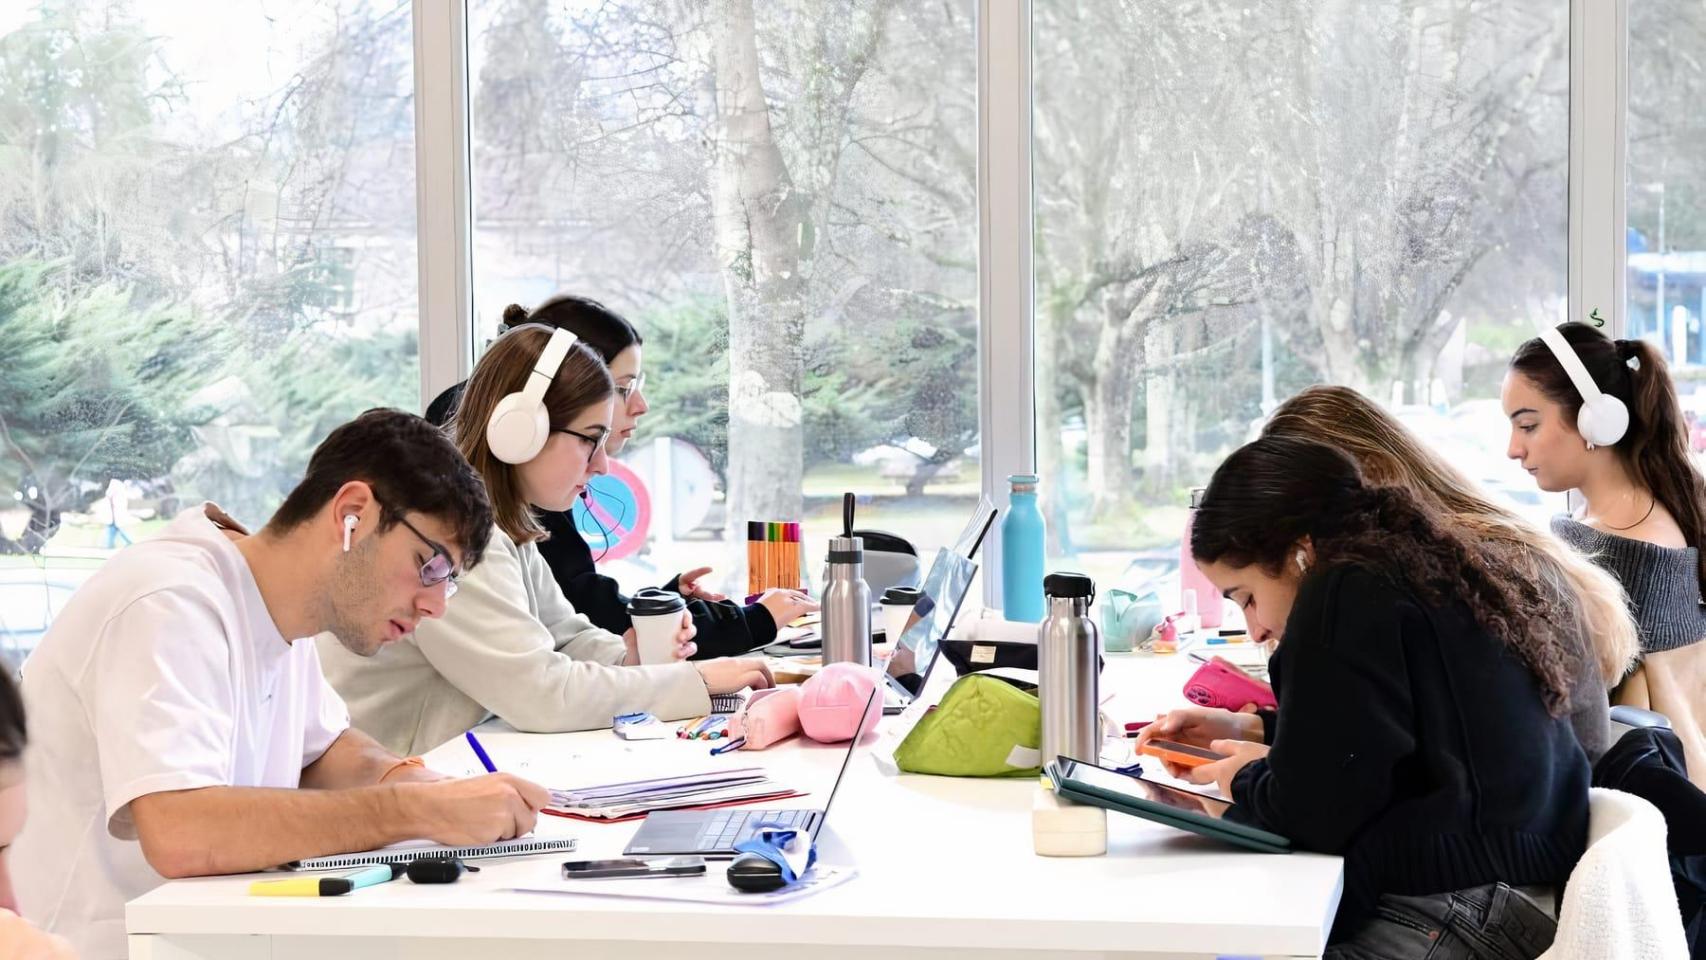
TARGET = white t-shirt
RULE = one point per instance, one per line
(163, 672)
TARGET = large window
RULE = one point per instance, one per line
(782, 196)
(210, 229)
(1666, 199)
(1235, 200)
(207, 262)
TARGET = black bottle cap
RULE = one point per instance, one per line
(1069, 585)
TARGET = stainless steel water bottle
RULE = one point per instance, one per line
(1068, 650)
(846, 616)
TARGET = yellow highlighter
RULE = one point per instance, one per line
(302, 887)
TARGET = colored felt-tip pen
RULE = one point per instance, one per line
(302, 887)
(380, 873)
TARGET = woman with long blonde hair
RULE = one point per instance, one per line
(1390, 454)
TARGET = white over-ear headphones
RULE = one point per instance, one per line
(1603, 419)
(350, 520)
(519, 424)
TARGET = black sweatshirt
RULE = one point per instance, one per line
(1414, 744)
(725, 628)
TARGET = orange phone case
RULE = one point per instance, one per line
(1164, 750)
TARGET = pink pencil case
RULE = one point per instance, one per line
(768, 717)
(1220, 684)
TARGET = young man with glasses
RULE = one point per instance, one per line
(177, 703)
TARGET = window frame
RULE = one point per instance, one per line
(1007, 417)
(444, 208)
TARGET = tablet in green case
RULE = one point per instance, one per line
(1181, 809)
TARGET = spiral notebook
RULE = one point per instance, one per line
(616, 802)
(424, 849)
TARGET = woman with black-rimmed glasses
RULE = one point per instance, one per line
(725, 627)
(510, 644)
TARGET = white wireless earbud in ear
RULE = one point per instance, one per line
(1302, 565)
(349, 527)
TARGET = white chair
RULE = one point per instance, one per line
(1619, 902)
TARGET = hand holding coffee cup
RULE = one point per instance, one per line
(663, 631)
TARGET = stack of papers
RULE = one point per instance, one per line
(619, 801)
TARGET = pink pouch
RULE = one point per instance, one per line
(833, 702)
(768, 717)
(1220, 684)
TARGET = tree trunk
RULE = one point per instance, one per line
(757, 217)
(1051, 453)
(1159, 408)
(921, 477)
(1332, 302)
(1107, 416)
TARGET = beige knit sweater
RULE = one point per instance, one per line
(508, 645)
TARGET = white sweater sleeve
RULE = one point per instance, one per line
(510, 641)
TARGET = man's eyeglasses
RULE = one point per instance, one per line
(593, 443)
(627, 390)
(439, 568)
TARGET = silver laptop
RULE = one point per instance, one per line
(713, 833)
(944, 592)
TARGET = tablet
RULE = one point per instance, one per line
(1180, 809)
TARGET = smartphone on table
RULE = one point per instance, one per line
(633, 868)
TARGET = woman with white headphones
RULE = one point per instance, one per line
(725, 627)
(1601, 417)
(533, 421)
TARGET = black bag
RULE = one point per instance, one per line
(1648, 762)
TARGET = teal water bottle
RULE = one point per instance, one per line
(1022, 552)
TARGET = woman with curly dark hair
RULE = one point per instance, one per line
(1420, 685)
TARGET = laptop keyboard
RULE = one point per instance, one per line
(726, 828)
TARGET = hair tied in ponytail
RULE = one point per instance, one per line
(1627, 352)
(514, 316)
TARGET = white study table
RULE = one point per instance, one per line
(945, 870)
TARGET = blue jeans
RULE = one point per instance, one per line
(1493, 922)
(114, 532)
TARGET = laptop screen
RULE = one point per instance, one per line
(945, 588)
(865, 726)
(971, 538)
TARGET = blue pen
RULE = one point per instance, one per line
(480, 752)
(382, 873)
(734, 744)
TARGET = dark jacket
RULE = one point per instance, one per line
(725, 628)
(1415, 745)
(1648, 762)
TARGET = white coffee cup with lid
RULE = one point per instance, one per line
(656, 615)
(897, 605)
